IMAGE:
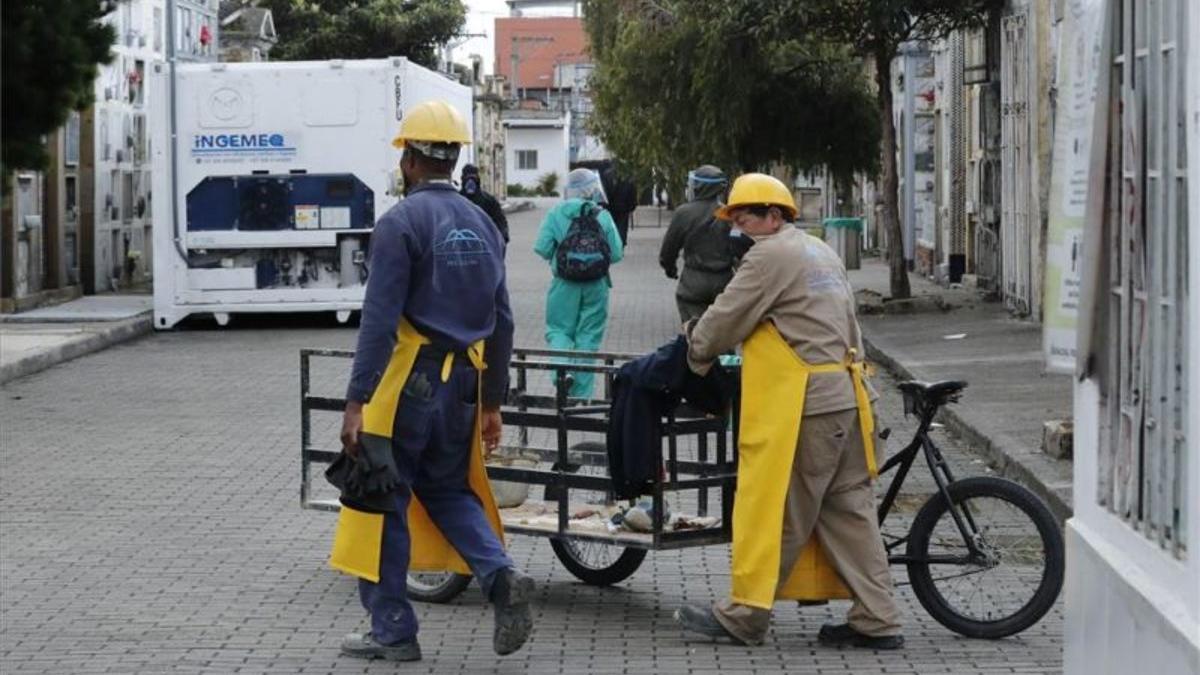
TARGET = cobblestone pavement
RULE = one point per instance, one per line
(150, 524)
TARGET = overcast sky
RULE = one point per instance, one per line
(481, 18)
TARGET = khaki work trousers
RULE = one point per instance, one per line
(830, 494)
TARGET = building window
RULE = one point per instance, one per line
(139, 138)
(137, 83)
(71, 191)
(112, 200)
(105, 144)
(158, 29)
(127, 196)
(527, 160)
(1142, 347)
(71, 140)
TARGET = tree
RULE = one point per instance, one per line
(363, 29)
(876, 29)
(52, 50)
(680, 83)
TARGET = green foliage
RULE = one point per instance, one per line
(547, 187)
(52, 49)
(548, 184)
(875, 27)
(680, 83)
(362, 29)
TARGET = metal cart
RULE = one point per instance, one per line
(562, 439)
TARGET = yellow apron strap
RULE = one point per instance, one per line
(474, 353)
(866, 419)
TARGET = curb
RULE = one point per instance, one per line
(122, 331)
(999, 454)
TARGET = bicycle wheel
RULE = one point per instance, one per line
(438, 587)
(1017, 577)
(593, 562)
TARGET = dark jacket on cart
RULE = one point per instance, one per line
(644, 391)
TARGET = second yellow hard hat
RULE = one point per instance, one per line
(758, 189)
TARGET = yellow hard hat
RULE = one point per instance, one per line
(758, 189)
(433, 122)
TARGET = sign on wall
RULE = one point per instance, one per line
(1078, 73)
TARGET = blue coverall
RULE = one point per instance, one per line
(437, 260)
(576, 312)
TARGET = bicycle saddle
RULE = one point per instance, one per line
(936, 393)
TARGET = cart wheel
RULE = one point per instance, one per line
(597, 563)
(439, 587)
(593, 562)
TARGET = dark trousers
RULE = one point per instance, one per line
(622, 222)
(432, 445)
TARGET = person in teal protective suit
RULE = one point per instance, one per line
(577, 311)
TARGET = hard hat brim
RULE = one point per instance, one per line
(726, 212)
(399, 141)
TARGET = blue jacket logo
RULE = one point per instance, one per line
(458, 246)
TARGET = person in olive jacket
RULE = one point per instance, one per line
(703, 239)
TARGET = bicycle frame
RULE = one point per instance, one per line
(902, 462)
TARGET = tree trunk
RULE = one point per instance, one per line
(890, 180)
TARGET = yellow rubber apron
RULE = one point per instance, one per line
(359, 535)
(774, 385)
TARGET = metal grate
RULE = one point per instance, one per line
(1016, 237)
(1143, 444)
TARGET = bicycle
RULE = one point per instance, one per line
(952, 530)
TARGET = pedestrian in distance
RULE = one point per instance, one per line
(703, 239)
(806, 448)
(580, 241)
(621, 201)
(422, 404)
(472, 190)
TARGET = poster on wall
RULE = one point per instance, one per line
(1078, 73)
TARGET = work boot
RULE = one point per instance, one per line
(699, 619)
(365, 646)
(511, 593)
(842, 634)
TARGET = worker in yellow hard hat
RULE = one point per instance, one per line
(804, 522)
(429, 375)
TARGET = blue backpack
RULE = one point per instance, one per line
(584, 254)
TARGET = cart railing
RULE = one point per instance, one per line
(712, 469)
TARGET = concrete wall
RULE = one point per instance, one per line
(551, 145)
(1130, 606)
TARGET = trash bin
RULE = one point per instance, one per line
(845, 236)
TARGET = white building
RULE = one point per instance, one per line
(1133, 568)
(537, 143)
(116, 216)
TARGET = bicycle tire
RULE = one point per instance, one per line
(451, 586)
(925, 585)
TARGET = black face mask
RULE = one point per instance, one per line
(739, 243)
(470, 184)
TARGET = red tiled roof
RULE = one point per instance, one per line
(568, 44)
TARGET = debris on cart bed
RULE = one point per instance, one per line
(598, 519)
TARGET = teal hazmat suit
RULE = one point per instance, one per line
(577, 312)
